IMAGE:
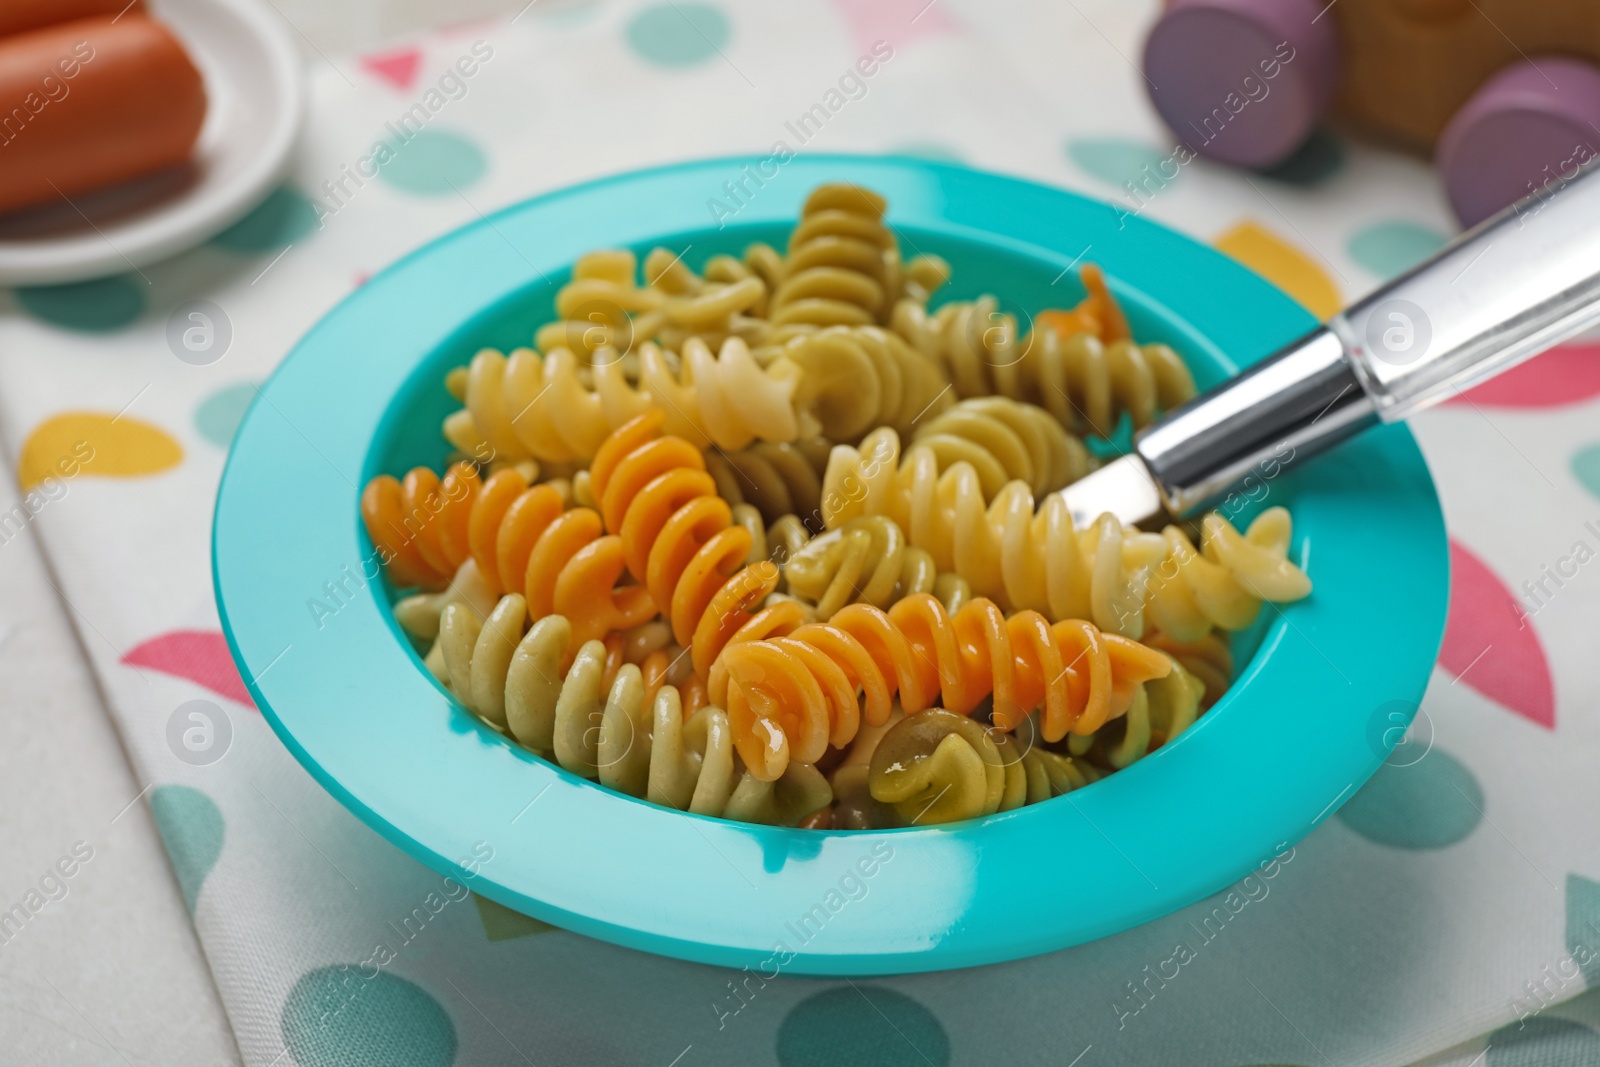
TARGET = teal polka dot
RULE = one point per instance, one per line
(1543, 1042)
(932, 150)
(678, 34)
(1320, 158)
(433, 163)
(861, 1026)
(191, 829)
(1432, 803)
(1119, 161)
(280, 220)
(1586, 468)
(99, 306)
(1390, 248)
(219, 414)
(1583, 927)
(347, 1016)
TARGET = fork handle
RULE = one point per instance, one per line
(1506, 290)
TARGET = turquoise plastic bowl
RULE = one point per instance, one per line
(1303, 726)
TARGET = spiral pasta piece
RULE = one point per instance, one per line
(557, 408)
(777, 478)
(1097, 314)
(596, 310)
(993, 441)
(866, 561)
(853, 378)
(1161, 710)
(791, 694)
(603, 308)
(1005, 440)
(938, 767)
(419, 525)
(869, 563)
(605, 721)
(1024, 557)
(1222, 585)
(1049, 772)
(521, 538)
(419, 613)
(843, 265)
(1208, 659)
(1086, 379)
(678, 537)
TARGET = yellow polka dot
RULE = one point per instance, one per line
(88, 442)
(1284, 265)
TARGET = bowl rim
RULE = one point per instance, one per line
(1183, 823)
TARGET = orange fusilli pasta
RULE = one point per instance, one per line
(522, 539)
(790, 693)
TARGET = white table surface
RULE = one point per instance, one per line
(111, 973)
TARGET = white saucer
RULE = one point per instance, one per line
(255, 103)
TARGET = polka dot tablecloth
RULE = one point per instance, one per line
(1451, 910)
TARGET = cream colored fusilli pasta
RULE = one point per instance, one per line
(866, 561)
(1005, 440)
(557, 408)
(1085, 383)
(1000, 441)
(853, 378)
(1022, 557)
(603, 308)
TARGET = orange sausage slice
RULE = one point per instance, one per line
(17, 16)
(89, 103)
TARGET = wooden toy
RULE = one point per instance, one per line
(1504, 93)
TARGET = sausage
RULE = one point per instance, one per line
(88, 103)
(17, 16)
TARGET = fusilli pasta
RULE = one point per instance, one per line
(853, 378)
(1208, 659)
(777, 478)
(604, 308)
(843, 267)
(521, 538)
(1087, 380)
(556, 408)
(1027, 558)
(677, 536)
(937, 767)
(790, 693)
(419, 526)
(605, 721)
(866, 561)
(682, 552)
